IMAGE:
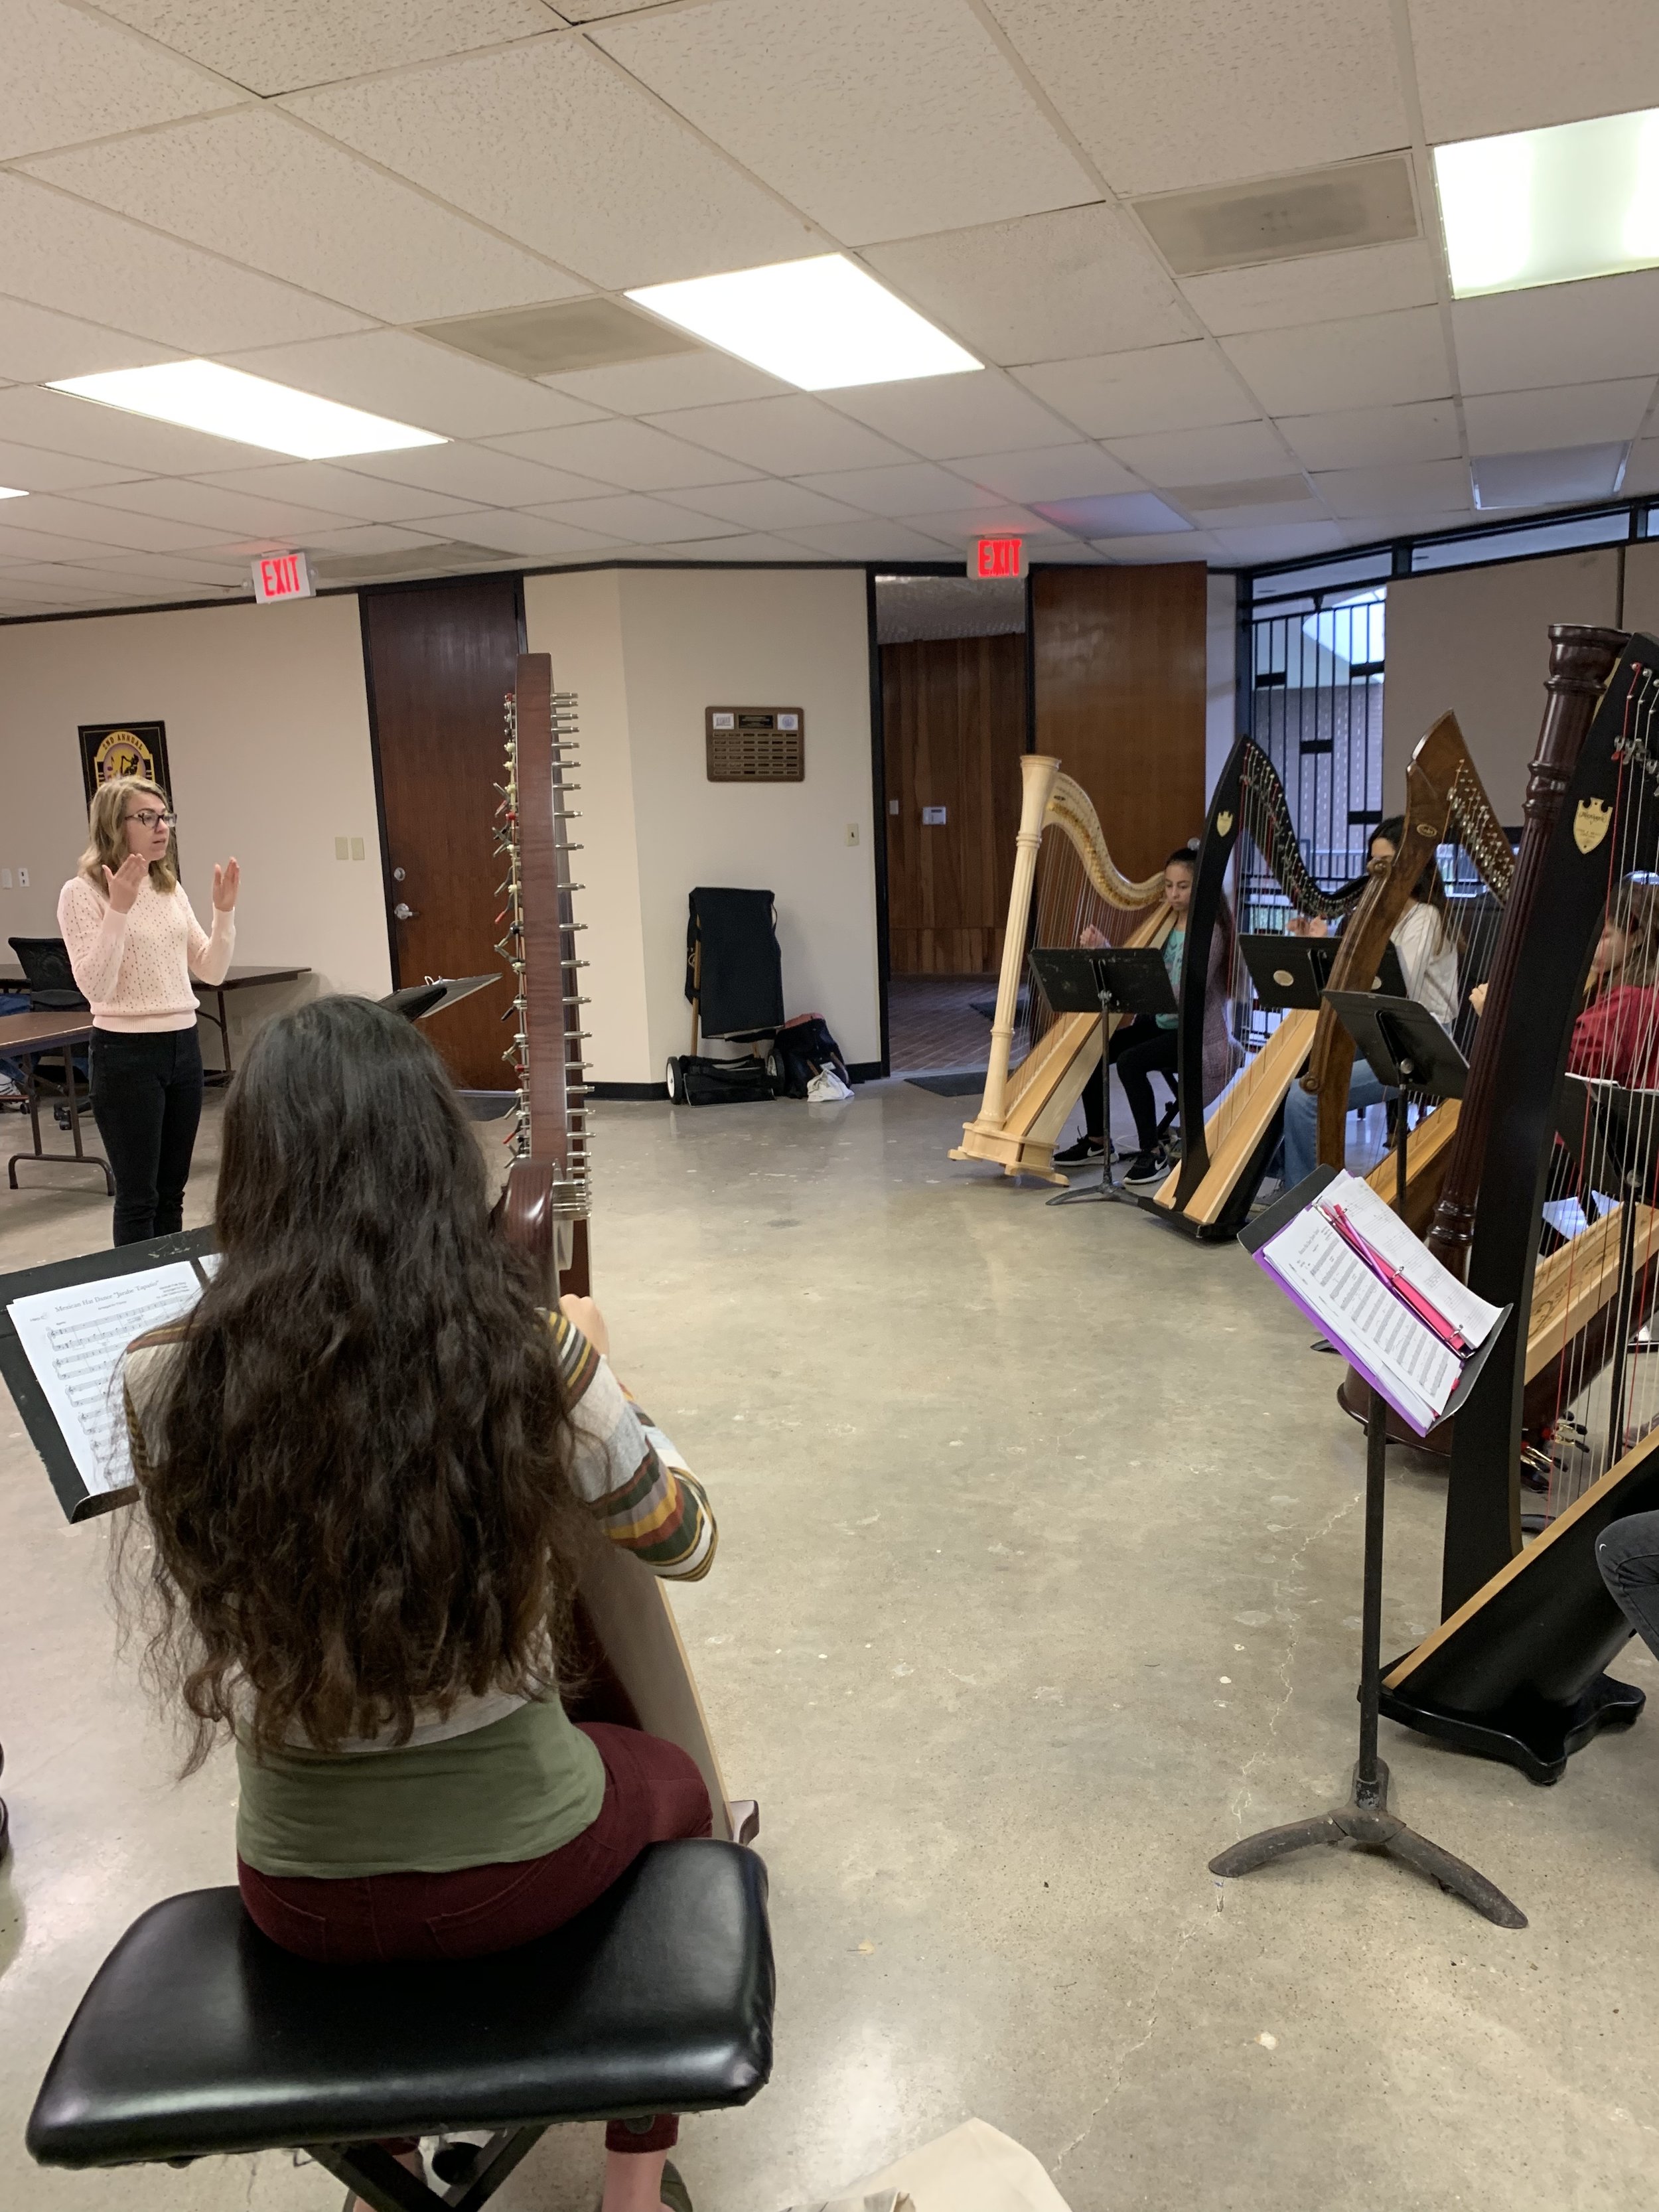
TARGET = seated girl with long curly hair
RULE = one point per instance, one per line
(370, 1465)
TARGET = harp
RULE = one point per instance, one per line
(1065, 880)
(1445, 803)
(637, 1672)
(1516, 1669)
(1249, 833)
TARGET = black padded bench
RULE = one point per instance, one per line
(200, 2039)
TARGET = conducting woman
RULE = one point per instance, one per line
(134, 943)
(369, 1472)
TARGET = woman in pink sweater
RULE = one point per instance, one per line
(133, 944)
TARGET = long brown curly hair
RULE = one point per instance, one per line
(358, 1488)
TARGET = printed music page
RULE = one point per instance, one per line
(1385, 1232)
(74, 1339)
(1360, 1312)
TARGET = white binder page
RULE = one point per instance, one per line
(1359, 1310)
(1385, 1232)
(74, 1339)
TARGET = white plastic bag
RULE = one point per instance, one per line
(827, 1089)
(974, 2169)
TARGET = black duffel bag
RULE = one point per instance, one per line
(693, 1080)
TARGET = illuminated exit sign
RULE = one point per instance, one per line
(998, 556)
(281, 576)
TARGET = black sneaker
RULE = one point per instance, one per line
(1145, 1167)
(1077, 1155)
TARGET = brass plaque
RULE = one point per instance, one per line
(755, 744)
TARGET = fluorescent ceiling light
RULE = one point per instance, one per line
(1548, 207)
(819, 323)
(7, 492)
(228, 403)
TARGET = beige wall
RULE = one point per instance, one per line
(1477, 640)
(1221, 702)
(267, 732)
(1641, 610)
(689, 639)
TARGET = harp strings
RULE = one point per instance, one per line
(1065, 903)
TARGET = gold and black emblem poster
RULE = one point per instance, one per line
(112, 749)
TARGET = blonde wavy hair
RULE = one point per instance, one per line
(106, 845)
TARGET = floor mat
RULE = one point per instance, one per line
(966, 1083)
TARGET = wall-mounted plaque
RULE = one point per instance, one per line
(112, 749)
(755, 745)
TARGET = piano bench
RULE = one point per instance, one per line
(199, 2038)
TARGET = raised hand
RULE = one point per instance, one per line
(122, 883)
(227, 881)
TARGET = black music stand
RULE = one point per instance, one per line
(1294, 971)
(1408, 1052)
(1116, 979)
(1616, 1142)
(1365, 1819)
(417, 1001)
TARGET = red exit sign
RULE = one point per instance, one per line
(281, 576)
(998, 556)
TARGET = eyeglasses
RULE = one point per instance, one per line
(149, 818)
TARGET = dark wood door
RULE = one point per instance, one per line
(441, 660)
(953, 715)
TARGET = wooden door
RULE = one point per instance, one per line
(953, 713)
(441, 660)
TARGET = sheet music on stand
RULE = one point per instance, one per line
(63, 1331)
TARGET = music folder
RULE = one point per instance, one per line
(1130, 978)
(63, 1330)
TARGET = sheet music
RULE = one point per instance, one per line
(1359, 1311)
(1382, 1229)
(74, 1339)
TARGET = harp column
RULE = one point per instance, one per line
(1037, 775)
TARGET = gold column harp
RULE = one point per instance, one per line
(1250, 834)
(1516, 1668)
(636, 1668)
(1065, 880)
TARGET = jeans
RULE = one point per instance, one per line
(1302, 1119)
(147, 1101)
(1628, 1556)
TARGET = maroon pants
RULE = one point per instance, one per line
(652, 1794)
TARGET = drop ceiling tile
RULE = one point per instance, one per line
(1166, 97)
(702, 379)
(1051, 472)
(1642, 470)
(1283, 542)
(601, 177)
(61, 252)
(257, 187)
(1486, 66)
(531, 537)
(635, 517)
(1413, 488)
(767, 504)
(69, 76)
(186, 499)
(102, 526)
(276, 45)
(947, 417)
(875, 540)
(477, 474)
(1380, 529)
(1003, 518)
(633, 455)
(1570, 415)
(379, 538)
(1322, 288)
(338, 491)
(37, 344)
(1370, 437)
(17, 544)
(913, 487)
(409, 379)
(1559, 333)
(175, 568)
(1166, 546)
(1215, 456)
(34, 467)
(789, 437)
(1116, 395)
(1367, 360)
(749, 545)
(34, 416)
(1048, 287)
(39, 591)
(880, 119)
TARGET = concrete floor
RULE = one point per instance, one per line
(1037, 1584)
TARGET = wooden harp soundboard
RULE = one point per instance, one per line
(638, 1674)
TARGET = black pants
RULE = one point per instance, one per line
(1139, 1050)
(1628, 1556)
(147, 1101)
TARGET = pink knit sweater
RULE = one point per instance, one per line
(134, 968)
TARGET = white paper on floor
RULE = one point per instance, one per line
(974, 2169)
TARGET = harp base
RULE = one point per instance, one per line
(1529, 1731)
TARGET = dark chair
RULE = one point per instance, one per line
(48, 979)
(198, 2037)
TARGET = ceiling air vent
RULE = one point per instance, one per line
(559, 339)
(1283, 218)
(413, 561)
(1256, 491)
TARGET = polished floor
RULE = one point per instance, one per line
(1037, 1584)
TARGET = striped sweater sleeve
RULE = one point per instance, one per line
(627, 1473)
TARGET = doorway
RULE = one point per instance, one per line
(440, 659)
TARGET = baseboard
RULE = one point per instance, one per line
(865, 1071)
(638, 1094)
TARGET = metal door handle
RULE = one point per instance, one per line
(402, 913)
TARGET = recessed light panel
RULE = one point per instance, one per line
(820, 324)
(1560, 479)
(228, 403)
(1548, 207)
(7, 492)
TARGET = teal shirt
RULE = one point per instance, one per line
(1175, 946)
